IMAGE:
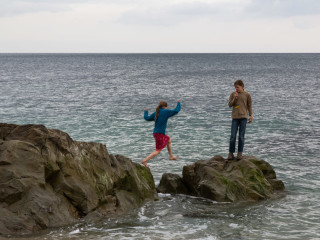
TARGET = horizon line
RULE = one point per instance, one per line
(159, 52)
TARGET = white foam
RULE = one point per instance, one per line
(75, 231)
(234, 225)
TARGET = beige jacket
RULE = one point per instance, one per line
(241, 106)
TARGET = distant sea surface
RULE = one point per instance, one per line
(101, 98)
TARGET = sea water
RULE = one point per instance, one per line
(102, 97)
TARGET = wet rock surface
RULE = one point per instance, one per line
(224, 180)
(49, 180)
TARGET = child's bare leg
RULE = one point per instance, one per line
(152, 155)
(170, 151)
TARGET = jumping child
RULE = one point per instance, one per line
(160, 116)
(241, 104)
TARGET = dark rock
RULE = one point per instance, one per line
(222, 180)
(172, 183)
(49, 180)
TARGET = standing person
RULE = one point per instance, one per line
(161, 116)
(241, 104)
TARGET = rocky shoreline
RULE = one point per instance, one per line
(49, 180)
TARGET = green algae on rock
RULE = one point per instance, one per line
(49, 180)
(221, 180)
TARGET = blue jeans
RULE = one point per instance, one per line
(241, 124)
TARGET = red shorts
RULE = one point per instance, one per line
(161, 140)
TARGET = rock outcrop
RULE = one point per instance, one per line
(222, 180)
(49, 180)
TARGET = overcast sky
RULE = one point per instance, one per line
(162, 26)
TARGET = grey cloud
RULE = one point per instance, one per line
(195, 8)
(223, 11)
(13, 8)
(170, 15)
(145, 13)
(18, 7)
(282, 8)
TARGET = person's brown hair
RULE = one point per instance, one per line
(161, 105)
(239, 82)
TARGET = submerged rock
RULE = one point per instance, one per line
(222, 180)
(49, 180)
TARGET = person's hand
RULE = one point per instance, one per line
(146, 109)
(250, 119)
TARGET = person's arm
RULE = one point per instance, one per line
(232, 99)
(174, 111)
(147, 117)
(249, 104)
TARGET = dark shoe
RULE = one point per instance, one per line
(239, 156)
(230, 156)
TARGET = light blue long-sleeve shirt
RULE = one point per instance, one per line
(161, 124)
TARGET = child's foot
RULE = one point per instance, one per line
(239, 156)
(230, 156)
(145, 164)
(173, 158)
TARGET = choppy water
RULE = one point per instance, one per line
(101, 97)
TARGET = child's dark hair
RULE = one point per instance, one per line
(161, 105)
(239, 82)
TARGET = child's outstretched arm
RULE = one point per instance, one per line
(176, 110)
(147, 117)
